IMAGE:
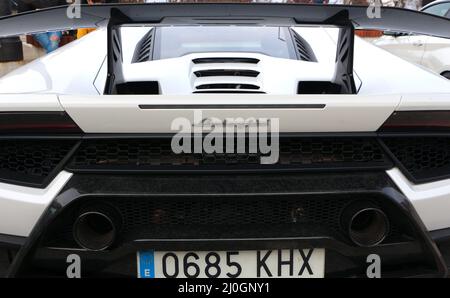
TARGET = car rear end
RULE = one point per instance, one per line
(126, 180)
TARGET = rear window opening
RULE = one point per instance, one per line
(177, 41)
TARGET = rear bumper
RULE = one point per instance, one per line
(139, 170)
(415, 255)
(430, 200)
(21, 207)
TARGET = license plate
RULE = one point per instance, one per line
(293, 263)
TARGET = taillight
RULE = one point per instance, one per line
(37, 122)
(410, 121)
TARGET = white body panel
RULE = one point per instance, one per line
(121, 114)
(431, 200)
(21, 207)
(72, 68)
(409, 47)
(425, 102)
(30, 102)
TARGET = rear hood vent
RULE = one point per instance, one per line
(226, 60)
(226, 75)
(304, 50)
(227, 72)
(144, 48)
(228, 87)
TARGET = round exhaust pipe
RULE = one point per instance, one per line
(96, 227)
(365, 223)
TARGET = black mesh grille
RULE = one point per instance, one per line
(227, 211)
(156, 154)
(226, 217)
(31, 161)
(313, 151)
(424, 158)
(232, 217)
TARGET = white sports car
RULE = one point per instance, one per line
(429, 51)
(360, 140)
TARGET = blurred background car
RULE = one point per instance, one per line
(428, 51)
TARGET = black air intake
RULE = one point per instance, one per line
(142, 87)
(32, 162)
(422, 159)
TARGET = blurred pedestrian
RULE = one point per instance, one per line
(49, 41)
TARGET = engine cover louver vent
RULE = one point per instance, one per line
(144, 48)
(304, 50)
(226, 60)
(227, 72)
(228, 86)
(226, 75)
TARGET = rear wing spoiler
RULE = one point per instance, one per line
(346, 18)
(392, 18)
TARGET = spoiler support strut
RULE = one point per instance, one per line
(114, 48)
(343, 75)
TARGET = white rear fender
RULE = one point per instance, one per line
(29, 103)
(21, 207)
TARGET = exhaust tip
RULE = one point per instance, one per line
(95, 230)
(366, 225)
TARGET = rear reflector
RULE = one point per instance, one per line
(37, 122)
(421, 121)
